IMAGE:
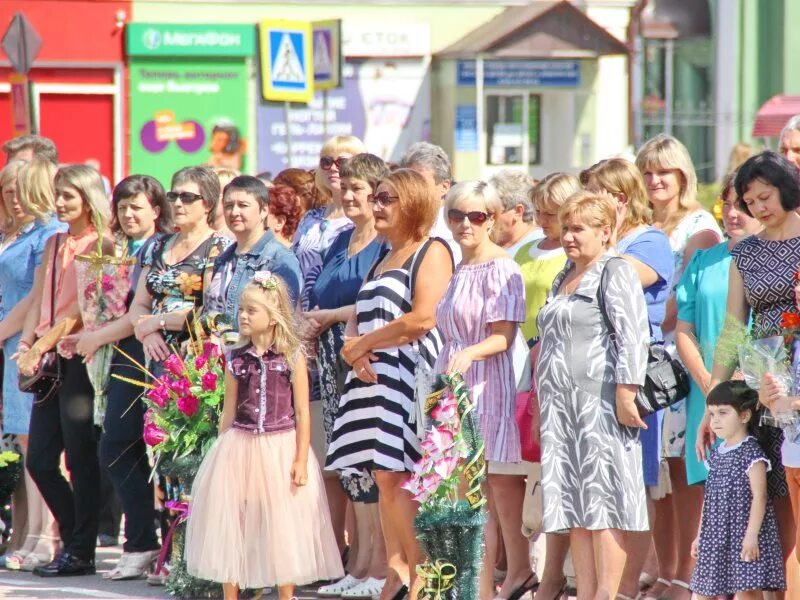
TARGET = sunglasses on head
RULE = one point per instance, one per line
(475, 217)
(327, 162)
(382, 199)
(184, 197)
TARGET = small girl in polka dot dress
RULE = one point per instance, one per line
(737, 548)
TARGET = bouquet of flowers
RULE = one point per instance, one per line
(10, 473)
(103, 287)
(448, 528)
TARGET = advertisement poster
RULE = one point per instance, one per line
(386, 103)
(187, 112)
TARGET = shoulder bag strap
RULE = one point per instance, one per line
(420, 255)
(53, 281)
(601, 299)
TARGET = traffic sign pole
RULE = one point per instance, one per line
(286, 107)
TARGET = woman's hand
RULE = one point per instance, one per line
(771, 389)
(460, 362)
(300, 472)
(628, 413)
(146, 325)
(705, 438)
(750, 551)
(695, 551)
(155, 348)
(351, 351)
(28, 361)
(84, 343)
(319, 320)
(363, 369)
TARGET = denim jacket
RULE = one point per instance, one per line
(232, 272)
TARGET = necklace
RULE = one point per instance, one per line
(388, 262)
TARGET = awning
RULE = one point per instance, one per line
(773, 115)
(538, 30)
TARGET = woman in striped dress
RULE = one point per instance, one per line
(395, 344)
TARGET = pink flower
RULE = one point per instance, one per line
(149, 416)
(159, 396)
(209, 382)
(154, 435)
(107, 283)
(174, 365)
(445, 466)
(188, 404)
(200, 362)
(181, 386)
(442, 438)
(210, 350)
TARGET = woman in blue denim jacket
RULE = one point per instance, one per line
(245, 203)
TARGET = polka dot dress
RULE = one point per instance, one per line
(726, 510)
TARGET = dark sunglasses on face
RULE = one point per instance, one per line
(382, 199)
(475, 217)
(184, 197)
(327, 162)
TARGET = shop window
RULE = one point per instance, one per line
(513, 128)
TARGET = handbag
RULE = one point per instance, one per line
(524, 416)
(666, 380)
(47, 378)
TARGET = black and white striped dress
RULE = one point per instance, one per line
(376, 426)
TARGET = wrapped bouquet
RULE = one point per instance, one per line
(449, 528)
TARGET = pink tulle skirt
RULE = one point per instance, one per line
(250, 525)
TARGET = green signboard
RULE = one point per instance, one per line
(187, 112)
(158, 39)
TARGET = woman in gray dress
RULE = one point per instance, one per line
(587, 378)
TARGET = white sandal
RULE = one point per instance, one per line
(660, 580)
(369, 588)
(132, 565)
(337, 588)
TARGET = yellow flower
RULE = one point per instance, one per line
(189, 283)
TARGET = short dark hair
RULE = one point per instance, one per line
(366, 167)
(773, 169)
(152, 190)
(207, 182)
(251, 185)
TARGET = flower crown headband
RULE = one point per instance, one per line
(266, 280)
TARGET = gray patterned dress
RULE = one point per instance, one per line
(591, 465)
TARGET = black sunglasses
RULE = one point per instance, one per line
(475, 217)
(382, 199)
(327, 162)
(184, 197)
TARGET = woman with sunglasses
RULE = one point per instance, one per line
(393, 340)
(478, 318)
(177, 268)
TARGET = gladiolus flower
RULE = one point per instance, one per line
(154, 435)
(159, 395)
(442, 438)
(209, 382)
(790, 320)
(446, 410)
(174, 365)
(445, 466)
(188, 404)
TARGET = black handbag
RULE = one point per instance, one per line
(666, 381)
(47, 378)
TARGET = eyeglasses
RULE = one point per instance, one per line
(475, 217)
(184, 197)
(382, 199)
(326, 162)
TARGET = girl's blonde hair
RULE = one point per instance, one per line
(35, 187)
(555, 189)
(272, 293)
(474, 190)
(7, 176)
(665, 153)
(89, 185)
(592, 210)
(619, 176)
(339, 144)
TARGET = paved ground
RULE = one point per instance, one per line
(22, 586)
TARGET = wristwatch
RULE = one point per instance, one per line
(163, 324)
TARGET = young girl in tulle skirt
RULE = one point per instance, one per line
(259, 517)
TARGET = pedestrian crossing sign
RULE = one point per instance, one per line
(327, 45)
(287, 62)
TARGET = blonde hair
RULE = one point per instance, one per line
(88, 183)
(274, 297)
(226, 175)
(664, 153)
(620, 176)
(474, 190)
(592, 210)
(555, 189)
(35, 187)
(339, 144)
(7, 175)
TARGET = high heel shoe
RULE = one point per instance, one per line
(401, 593)
(527, 586)
(562, 594)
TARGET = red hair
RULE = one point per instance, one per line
(284, 202)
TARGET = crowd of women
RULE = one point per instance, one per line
(546, 296)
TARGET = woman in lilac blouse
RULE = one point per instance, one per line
(478, 318)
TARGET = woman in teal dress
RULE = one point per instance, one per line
(701, 296)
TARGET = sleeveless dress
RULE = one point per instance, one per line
(377, 424)
(726, 511)
(768, 269)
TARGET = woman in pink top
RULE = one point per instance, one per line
(478, 318)
(64, 421)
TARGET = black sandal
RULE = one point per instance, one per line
(526, 587)
(401, 593)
